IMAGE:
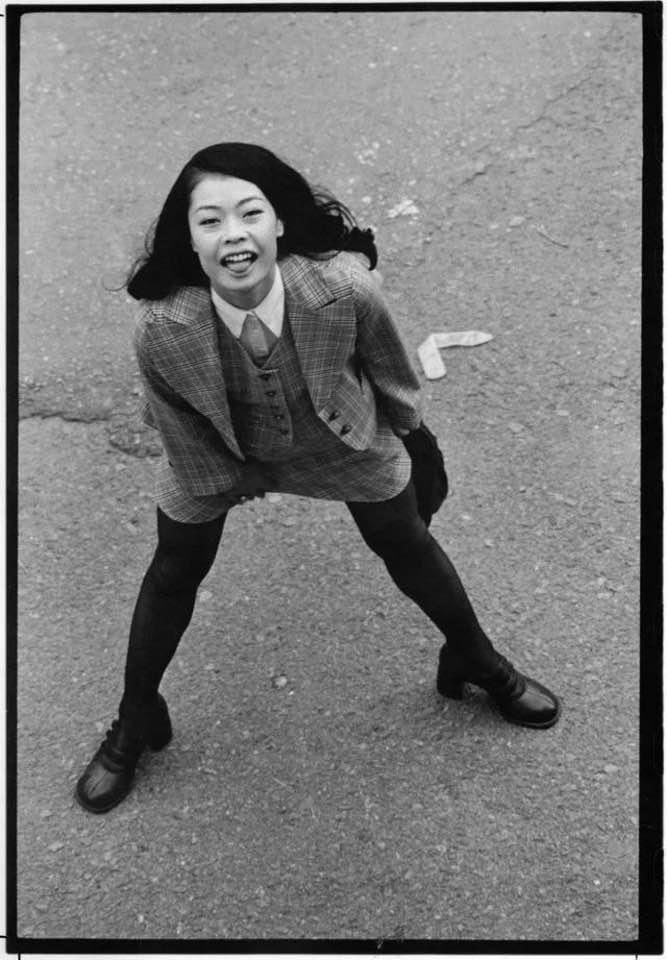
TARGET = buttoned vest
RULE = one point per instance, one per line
(270, 406)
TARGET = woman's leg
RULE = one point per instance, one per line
(420, 568)
(184, 555)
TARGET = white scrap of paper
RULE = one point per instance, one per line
(406, 208)
(465, 338)
(429, 350)
(430, 359)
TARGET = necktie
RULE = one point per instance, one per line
(257, 338)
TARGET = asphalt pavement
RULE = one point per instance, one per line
(317, 785)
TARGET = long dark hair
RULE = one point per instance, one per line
(316, 224)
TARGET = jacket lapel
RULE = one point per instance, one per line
(323, 327)
(194, 369)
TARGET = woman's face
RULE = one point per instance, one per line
(234, 231)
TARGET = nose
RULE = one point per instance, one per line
(234, 231)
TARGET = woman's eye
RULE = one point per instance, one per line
(252, 213)
(208, 221)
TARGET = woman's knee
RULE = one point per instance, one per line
(184, 554)
(172, 573)
(395, 535)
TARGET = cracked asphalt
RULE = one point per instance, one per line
(317, 785)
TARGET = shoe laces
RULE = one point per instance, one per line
(506, 681)
(118, 746)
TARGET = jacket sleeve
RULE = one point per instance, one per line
(191, 442)
(384, 357)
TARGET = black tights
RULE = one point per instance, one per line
(185, 553)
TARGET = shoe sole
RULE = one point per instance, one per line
(544, 725)
(106, 808)
(454, 692)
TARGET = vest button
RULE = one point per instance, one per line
(333, 415)
(270, 393)
(280, 416)
(345, 429)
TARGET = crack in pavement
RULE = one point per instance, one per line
(120, 435)
(543, 116)
(64, 416)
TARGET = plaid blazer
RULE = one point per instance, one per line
(350, 352)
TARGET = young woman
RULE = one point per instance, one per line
(271, 363)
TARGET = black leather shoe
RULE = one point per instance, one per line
(108, 777)
(519, 699)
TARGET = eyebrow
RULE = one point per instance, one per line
(214, 206)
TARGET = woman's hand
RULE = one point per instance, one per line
(242, 494)
(246, 495)
(251, 485)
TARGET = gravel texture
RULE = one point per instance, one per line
(317, 785)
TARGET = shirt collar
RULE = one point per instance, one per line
(270, 310)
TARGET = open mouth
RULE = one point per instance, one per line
(238, 260)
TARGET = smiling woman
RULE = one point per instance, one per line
(315, 224)
(271, 362)
(235, 232)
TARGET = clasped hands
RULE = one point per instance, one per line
(251, 485)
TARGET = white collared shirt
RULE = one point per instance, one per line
(270, 311)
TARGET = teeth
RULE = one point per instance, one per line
(237, 257)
